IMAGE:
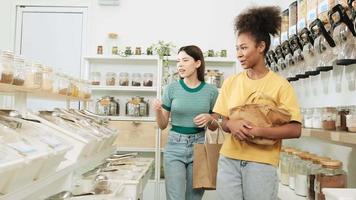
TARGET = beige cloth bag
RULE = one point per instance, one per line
(262, 111)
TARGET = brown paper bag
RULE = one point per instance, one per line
(205, 163)
(261, 111)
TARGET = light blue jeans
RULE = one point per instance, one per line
(178, 166)
(245, 180)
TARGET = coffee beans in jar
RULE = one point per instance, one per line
(148, 79)
(136, 79)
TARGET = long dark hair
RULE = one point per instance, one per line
(260, 22)
(196, 53)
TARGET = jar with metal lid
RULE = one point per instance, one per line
(148, 79)
(95, 78)
(351, 120)
(111, 78)
(136, 79)
(331, 176)
(317, 118)
(124, 79)
(214, 77)
(314, 170)
(302, 172)
(329, 118)
(19, 71)
(308, 117)
(47, 81)
(34, 75)
(293, 168)
(285, 162)
(342, 112)
(7, 67)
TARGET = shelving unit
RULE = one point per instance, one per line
(334, 136)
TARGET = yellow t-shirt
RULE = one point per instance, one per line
(234, 92)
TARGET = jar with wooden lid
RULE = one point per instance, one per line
(295, 159)
(7, 67)
(314, 170)
(302, 172)
(342, 112)
(285, 161)
(329, 118)
(331, 176)
(19, 71)
(351, 119)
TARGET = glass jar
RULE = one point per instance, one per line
(111, 78)
(293, 168)
(47, 81)
(34, 75)
(314, 170)
(112, 44)
(329, 118)
(138, 51)
(308, 117)
(302, 172)
(73, 89)
(148, 79)
(331, 176)
(285, 162)
(128, 51)
(95, 78)
(7, 67)
(351, 120)
(136, 79)
(62, 84)
(19, 71)
(317, 118)
(341, 118)
(123, 79)
(81, 88)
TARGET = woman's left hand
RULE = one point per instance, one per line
(202, 120)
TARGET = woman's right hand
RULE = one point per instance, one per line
(240, 129)
(157, 105)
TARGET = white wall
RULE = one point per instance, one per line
(206, 23)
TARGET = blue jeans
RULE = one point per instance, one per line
(245, 180)
(178, 166)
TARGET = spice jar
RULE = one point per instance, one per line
(149, 51)
(128, 51)
(302, 172)
(331, 176)
(136, 79)
(351, 120)
(111, 43)
(7, 67)
(148, 79)
(47, 80)
(34, 75)
(61, 83)
(341, 118)
(317, 118)
(124, 79)
(329, 118)
(111, 78)
(95, 78)
(19, 71)
(99, 50)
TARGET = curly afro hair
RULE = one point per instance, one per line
(260, 22)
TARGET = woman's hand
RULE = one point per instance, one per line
(240, 129)
(202, 120)
(157, 105)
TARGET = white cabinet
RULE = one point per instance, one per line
(141, 134)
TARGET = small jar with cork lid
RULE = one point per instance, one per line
(329, 118)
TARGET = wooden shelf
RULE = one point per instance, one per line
(209, 59)
(101, 58)
(124, 88)
(126, 118)
(38, 93)
(334, 136)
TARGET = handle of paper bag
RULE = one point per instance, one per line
(220, 129)
(259, 95)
